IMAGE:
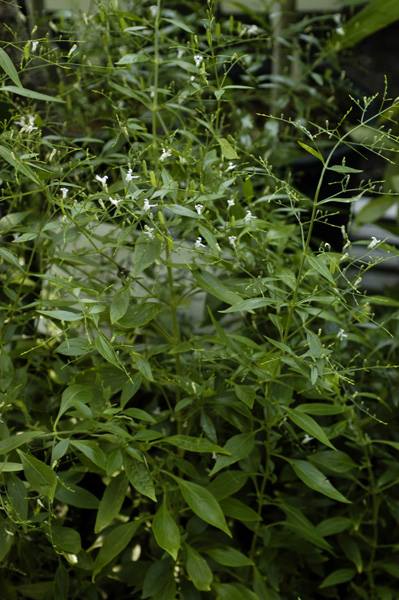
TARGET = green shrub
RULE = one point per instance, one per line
(196, 401)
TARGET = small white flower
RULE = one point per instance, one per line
(73, 49)
(154, 10)
(102, 180)
(230, 203)
(180, 53)
(165, 154)
(33, 45)
(199, 208)
(340, 31)
(136, 552)
(307, 438)
(198, 243)
(147, 206)
(230, 166)
(232, 240)
(192, 78)
(214, 456)
(341, 335)
(374, 242)
(27, 124)
(249, 217)
(149, 232)
(64, 192)
(246, 122)
(114, 201)
(251, 30)
(129, 176)
(198, 60)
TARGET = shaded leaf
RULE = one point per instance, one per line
(166, 531)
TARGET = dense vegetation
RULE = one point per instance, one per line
(198, 397)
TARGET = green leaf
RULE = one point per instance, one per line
(238, 510)
(248, 305)
(203, 504)
(228, 483)
(299, 524)
(309, 425)
(318, 408)
(15, 441)
(193, 444)
(104, 347)
(234, 591)
(65, 539)
(337, 577)
(229, 557)
(316, 480)
(8, 67)
(92, 451)
(6, 540)
(374, 16)
(166, 531)
(159, 582)
(216, 288)
(21, 91)
(178, 23)
(111, 502)
(344, 169)
(139, 315)
(140, 477)
(74, 347)
(374, 210)
(198, 570)
(119, 304)
(61, 315)
(311, 150)
(76, 396)
(146, 252)
(336, 462)
(239, 446)
(227, 149)
(18, 165)
(18, 497)
(61, 583)
(74, 495)
(114, 543)
(246, 394)
(41, 477)
(333, 525)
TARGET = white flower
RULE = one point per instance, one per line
(198, 60)
(27, 124)
(198, 243)
(180, 53)
(230, 203)
(230, 166)
(341, 335)
(149, 232)
(340, 31)
(147, 206)
(250, 30)
(246, 122)
(64, 192)
(34, 44)
(136, 552)
(214, 456)
(165, 154)
(307, 439)
(102, 180)
(114, 201)
(129, 176)
(199, 208)
(374, 242)
(232, 240)
(154, 10)
(249, 217)
(73, 49)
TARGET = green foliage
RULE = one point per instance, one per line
(197, 400)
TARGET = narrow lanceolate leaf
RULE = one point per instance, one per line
(229, 557)
(111, 502)
(114, 543)
(203, 504)
(21, 91)
(8, 67)
(15, 441)
(215, 287)
(166, 531)
(18, 165)
(198, 570)
(65, 539)
(309, 425)
(140, 477)
(119, 305)
(192, 444)
(311, 150)
(40, 476)
(337, 577)
(316, 480)
(238, 447)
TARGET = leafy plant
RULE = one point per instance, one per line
(196, 401)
